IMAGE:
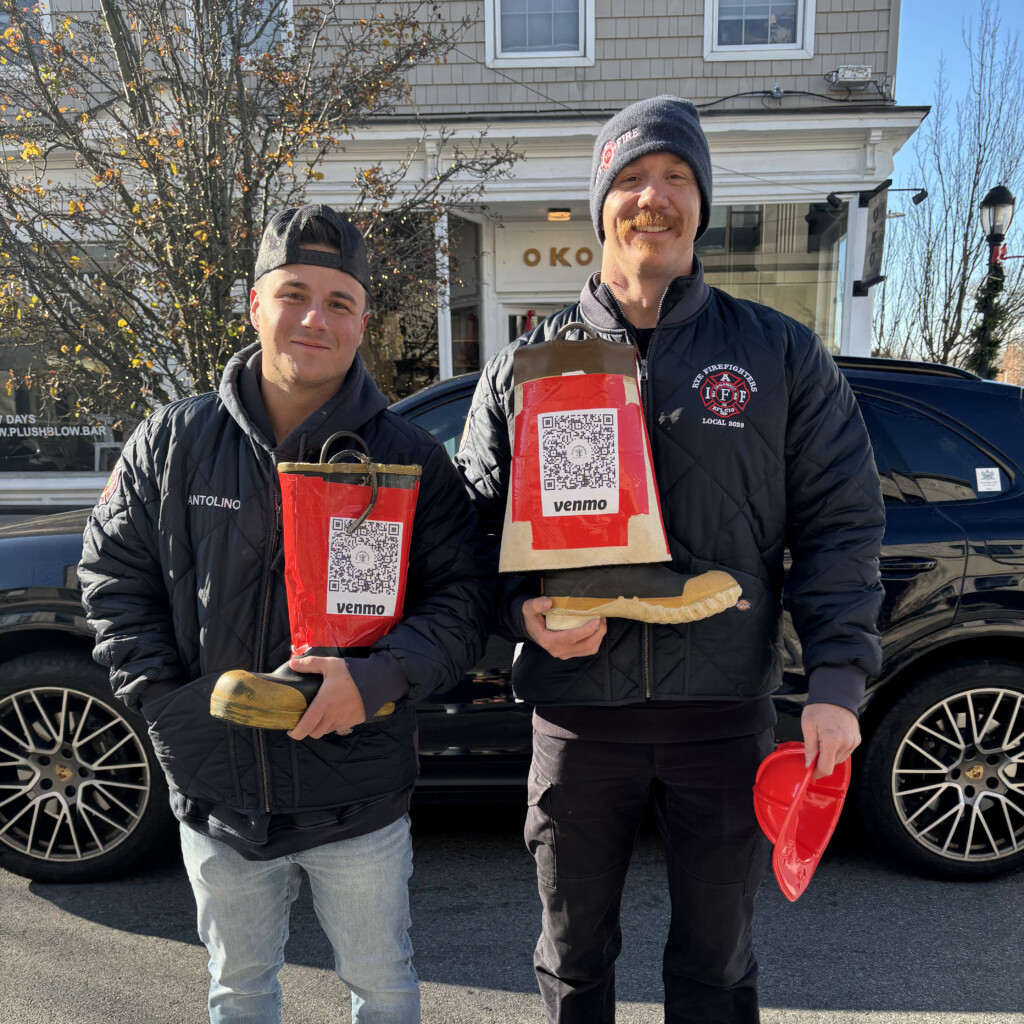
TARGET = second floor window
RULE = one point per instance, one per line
(15, 38)
(269, 25)
(537, 33)
(756, 22)
(216, 27)
(539, 26)
(752, 29)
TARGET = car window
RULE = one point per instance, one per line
(920, 459)
(445, 421)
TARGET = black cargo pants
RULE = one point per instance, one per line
(586, 801)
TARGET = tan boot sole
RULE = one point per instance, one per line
(245, 699)
(703, 596)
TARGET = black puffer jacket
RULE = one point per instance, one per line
(182, 579)
(758, 445)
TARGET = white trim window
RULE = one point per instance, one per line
(758, 29)
(266, 22)
(38, 23)
(539, 33)
(276, 29)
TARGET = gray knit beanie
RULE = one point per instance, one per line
(664, 123)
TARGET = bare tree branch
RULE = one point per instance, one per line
(936, 256)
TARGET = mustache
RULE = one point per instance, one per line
(645, 219)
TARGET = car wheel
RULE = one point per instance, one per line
(942, 781)
(81, 794)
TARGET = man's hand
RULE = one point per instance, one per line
(337, 706)
(578, 642)
(831, 732)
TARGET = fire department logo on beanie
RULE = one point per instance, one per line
(282, 243)
(661, 124)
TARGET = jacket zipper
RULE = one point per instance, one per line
(261, 645)
(647, 661)
(645, 629)
(650, 432)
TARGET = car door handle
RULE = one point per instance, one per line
(896, 568)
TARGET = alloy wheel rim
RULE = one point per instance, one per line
(74, 777)
(958, 777)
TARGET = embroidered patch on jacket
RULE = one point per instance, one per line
(725, 391)
(111, 485)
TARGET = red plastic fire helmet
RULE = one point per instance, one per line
(797, 813)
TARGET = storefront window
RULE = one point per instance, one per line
(39, 434)
(785, 255)
(464, 262)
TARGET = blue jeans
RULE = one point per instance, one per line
(361, 896)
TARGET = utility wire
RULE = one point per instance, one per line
(763, 93)
(523, 85)
(769, 181)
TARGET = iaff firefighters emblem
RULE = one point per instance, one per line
(725, 390)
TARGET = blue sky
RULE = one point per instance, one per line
(928, 29)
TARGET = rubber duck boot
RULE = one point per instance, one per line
(645, 593)
(271, 700)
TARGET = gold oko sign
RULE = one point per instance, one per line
(559, 256)
(545, 259)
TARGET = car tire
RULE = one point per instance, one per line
(81, 794)
(942, 780)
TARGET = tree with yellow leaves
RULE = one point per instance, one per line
(145, 147)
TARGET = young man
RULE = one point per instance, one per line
(757, 445)
(182, 578)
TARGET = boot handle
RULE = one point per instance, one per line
(344, 433)
(560, 355)
(575, 325)
(364, 458)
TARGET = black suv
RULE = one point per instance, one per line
(939, 777)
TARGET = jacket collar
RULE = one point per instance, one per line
(683, 298)
(356, 401)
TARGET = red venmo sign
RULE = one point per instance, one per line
(345, 582)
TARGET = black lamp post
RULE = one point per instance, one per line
(996, 214)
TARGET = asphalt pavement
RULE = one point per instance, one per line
(866, 944)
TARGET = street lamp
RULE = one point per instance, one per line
(996, 214)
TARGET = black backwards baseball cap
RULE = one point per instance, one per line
(282, 242)
(662, 123)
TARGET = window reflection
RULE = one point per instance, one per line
(920, 459)
(785, 255)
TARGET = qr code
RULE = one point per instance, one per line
(363, 568)
(579, 461)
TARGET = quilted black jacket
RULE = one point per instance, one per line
(758, 446)
(182, 579)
